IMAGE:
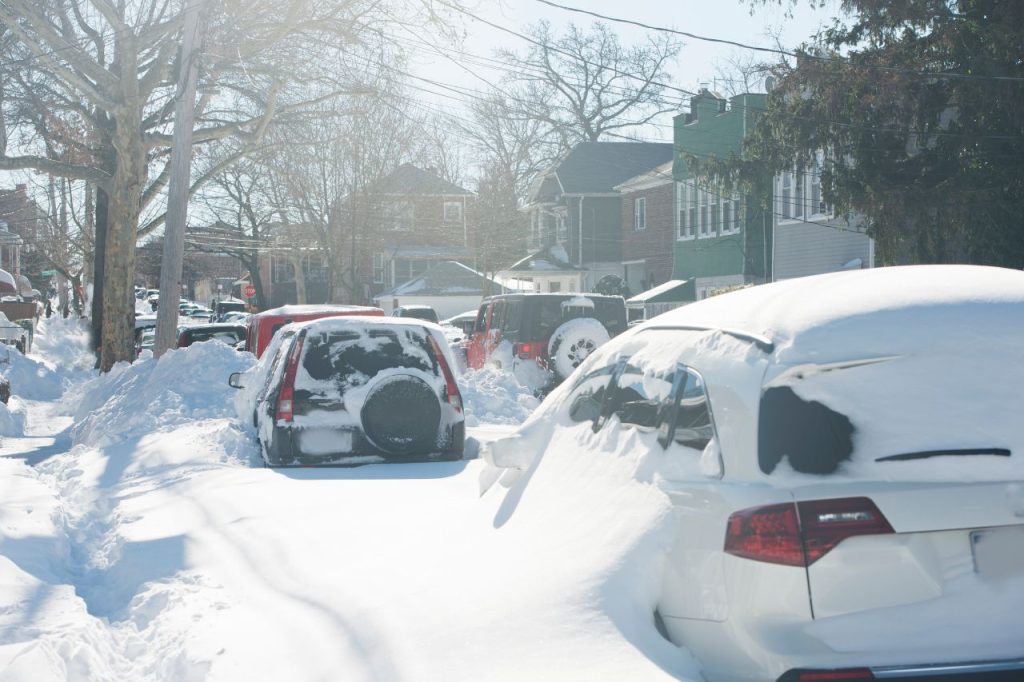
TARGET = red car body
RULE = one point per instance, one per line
(262, 326)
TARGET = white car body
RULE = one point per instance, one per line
(920, 360)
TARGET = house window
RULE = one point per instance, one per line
(787, 191)
(398, 215)
(380, 267)
(816, 204)
(640, 214)
(731, 212)
(453, 211)
(704, 228)
(716, 202)
(554, 287)
(561, 228)
(798, 194)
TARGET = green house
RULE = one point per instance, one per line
(723, 239)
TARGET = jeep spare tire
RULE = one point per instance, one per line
(401, 416)
(572, 342)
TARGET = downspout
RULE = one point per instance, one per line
(580, 228)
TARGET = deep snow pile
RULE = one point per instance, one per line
(183, 386)
(151, 552)
(493, 396)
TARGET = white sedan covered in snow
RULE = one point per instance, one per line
(845, 462)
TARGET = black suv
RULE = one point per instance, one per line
(557, 331)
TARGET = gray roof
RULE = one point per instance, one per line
(597, 167)
(448, 278)
(408, 179)
(543, 261)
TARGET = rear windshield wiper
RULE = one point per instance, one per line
(925, 454)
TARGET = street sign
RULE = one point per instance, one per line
(249, 291)
(47, 273)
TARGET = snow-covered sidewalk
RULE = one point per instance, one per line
(142, 540)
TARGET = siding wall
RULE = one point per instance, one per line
(803, 249)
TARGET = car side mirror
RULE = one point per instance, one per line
(235, 380)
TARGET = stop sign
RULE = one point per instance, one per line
(249, 291)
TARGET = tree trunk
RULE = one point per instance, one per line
(300, 277)
(122, 228)
(99, 270)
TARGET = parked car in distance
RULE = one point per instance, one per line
(464, 321)
(556, 331)
(145, 339)
(230, 334)
(847, 480)
(354, 390)
(262, 326)
(419, 312)
(222, 308)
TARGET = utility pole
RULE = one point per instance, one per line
(177, 193)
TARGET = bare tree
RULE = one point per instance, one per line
(107, 69)
(739, 73)
(586, 85)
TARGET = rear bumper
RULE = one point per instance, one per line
(285, 448)
(1009, 670)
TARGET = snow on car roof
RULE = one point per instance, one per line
(854, 313)
(364, 320)
(314, 309)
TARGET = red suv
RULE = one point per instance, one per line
(555, 331)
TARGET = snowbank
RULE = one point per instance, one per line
(30, 378)
(494, 396)
(183, 386)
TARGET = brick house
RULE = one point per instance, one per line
(21, 228)
(648, 228)
(422, 220)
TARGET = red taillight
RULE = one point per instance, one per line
(526, 351)
(827, 675)
(182, 340)
(770, 534)
(452, 387)
(798, 534)
(285, 406)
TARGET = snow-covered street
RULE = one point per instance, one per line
(142, 539)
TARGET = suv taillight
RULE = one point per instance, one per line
(285, 409)
(800, 533)
(527, 351)
(452, 387)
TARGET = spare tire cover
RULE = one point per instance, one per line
(572, 342)
(401, 415)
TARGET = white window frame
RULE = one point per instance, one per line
(639, 214)
(732, 226)
(799, 207)
(380, 268)
(785, 193)
(452, 212)
(703, 225)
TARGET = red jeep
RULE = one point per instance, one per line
(554, 331)
(263, 326)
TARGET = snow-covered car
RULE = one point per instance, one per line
(420, 312)
(354, 390)
(845, 464)
(555, 332)
(230, 334)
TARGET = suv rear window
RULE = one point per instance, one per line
(545, 314)
(344, 358)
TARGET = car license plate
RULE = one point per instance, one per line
(998, 552)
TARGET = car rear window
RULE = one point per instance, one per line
(344, 358)
(228, 336)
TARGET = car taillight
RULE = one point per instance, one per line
(526, 351)
(452, 387)
(285, 399)
(182, 340)
(827, 675)
(770, 534)
(800, 533)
